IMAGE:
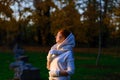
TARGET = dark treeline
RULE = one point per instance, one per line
(35, 22)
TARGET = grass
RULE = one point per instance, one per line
(86, 69)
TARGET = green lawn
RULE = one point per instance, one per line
(108, 69)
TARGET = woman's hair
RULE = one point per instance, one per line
(64, 32)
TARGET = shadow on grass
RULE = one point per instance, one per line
(109, 72)
(102, 66)
(112, 76)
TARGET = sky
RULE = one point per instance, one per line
(25, 4)
(29, 4)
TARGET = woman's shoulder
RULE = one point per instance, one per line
(54, 46)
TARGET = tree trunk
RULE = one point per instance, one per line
(99, 47)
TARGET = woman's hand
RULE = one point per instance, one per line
(54, 73)
(63, 73)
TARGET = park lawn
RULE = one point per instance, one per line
(85, 63)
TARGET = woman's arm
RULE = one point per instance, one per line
(48, 65)
(69, 71)
(49, 58)
(70, 66)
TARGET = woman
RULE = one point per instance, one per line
(60, 60)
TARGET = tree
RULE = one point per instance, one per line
(91, 22)
(105, 21)
(22, 15)
(6, 22)
(68, 17)
(42, 21)
(115, 19)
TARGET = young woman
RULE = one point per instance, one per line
(60, 60)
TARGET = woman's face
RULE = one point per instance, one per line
(59, 37)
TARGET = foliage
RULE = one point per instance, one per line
(38, 21)
(41, 19)
(91, 22)
(7, 25)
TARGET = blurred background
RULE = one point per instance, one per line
(33, 25)
(35, 22)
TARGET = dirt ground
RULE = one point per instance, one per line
(46, 49)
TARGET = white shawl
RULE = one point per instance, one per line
(63, 59)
